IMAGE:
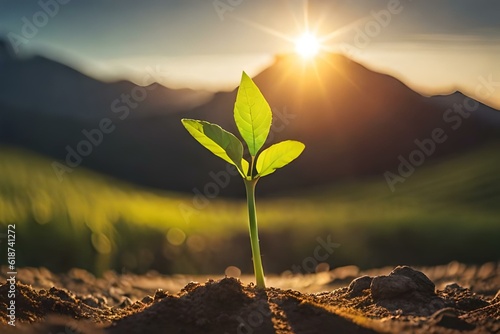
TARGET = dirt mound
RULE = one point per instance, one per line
(404, 301)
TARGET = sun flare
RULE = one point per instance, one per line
(307, 45)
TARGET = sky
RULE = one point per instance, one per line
(435, 47)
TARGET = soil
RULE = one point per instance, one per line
(452, 298)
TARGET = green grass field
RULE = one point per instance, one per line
(446, 210)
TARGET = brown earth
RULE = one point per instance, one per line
(453, 298)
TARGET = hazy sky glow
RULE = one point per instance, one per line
(434, 47)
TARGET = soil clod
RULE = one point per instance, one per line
(358, 285)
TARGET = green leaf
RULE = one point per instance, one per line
(252, 115)
(277, 156)
(218, 141)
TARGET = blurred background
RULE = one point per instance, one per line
(396, 101)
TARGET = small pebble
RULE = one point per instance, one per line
(147, 300)
(160, 294)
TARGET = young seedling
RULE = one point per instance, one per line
(253, 118)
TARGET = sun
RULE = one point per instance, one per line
(307, 45)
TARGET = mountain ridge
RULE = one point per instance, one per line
(42, 84)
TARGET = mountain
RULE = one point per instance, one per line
(354, 122)
(46, 86)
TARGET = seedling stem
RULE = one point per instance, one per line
(254, 232)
